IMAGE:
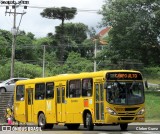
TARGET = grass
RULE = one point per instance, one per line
(152, 105)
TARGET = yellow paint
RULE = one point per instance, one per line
(69, 110)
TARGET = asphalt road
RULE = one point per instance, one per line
(135, 128)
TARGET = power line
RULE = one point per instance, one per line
(39, 7)
(38, 47)
(80, 10)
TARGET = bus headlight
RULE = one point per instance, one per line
(141, 111)
(111, 111)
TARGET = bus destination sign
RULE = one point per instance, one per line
(124, 76)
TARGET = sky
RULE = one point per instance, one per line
(33, 22)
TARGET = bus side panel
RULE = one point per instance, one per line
(20, 111)
(39, 107)
(74, 110)
(50, 111)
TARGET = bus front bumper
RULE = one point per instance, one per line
(112, 119)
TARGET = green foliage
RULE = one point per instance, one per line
(27, 70)
(3, 46)
(135, 29)
(7, 35)
(5, 43)
(133, 40)
(5, 70)
(152, 72)
(52, 63)
(30, 35)
(24, 48)
(72, 32)
(21, 70)
(75, 63)
(39, 46)
(63, 13)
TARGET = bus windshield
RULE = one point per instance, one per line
(125, 93)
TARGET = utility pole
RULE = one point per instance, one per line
(13, 43)
(95, 54)
(44, 53)
(14, 33)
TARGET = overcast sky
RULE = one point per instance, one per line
(33, 22)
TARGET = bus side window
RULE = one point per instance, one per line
(20, 93)
(74, 88)
(71, 90)
(39, 91)
(87, 87)
(50, 90)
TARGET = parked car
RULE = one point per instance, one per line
(8, 85)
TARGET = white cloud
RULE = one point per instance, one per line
(33, 22)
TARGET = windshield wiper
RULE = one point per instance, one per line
(131, 87)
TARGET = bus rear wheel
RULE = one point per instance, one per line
(124, 126)
(89, 122)
(42, 121)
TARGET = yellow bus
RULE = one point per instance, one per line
(111, 97)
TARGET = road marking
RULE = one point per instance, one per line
(151, 132)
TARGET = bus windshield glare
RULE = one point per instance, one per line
(125, 88)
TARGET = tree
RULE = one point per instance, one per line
(63, 13)
(49, 46)
(135, 29)
(30, 35)
(5, 44)
(21, 70)
(74, 34)
(24, 48)
(7, 35)
(72, 31)
(75, 64)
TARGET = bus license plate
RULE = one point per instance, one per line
(120, 109)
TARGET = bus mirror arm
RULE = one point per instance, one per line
(105, 85)
(146, 84)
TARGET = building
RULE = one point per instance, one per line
(103, 34)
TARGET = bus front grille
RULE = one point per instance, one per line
(126, 114)
(131, 109)
(127, 118)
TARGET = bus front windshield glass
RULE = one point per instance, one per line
(125, 93)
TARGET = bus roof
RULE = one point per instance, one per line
(71, 76)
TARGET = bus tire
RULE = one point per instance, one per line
(42, 121)
(89, 122)
(124, 126)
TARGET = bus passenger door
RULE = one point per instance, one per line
(29, 105)
(99, 102)
(61, 104)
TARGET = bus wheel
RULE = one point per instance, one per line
(89, 123)
(42, 121)
(124, 126)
